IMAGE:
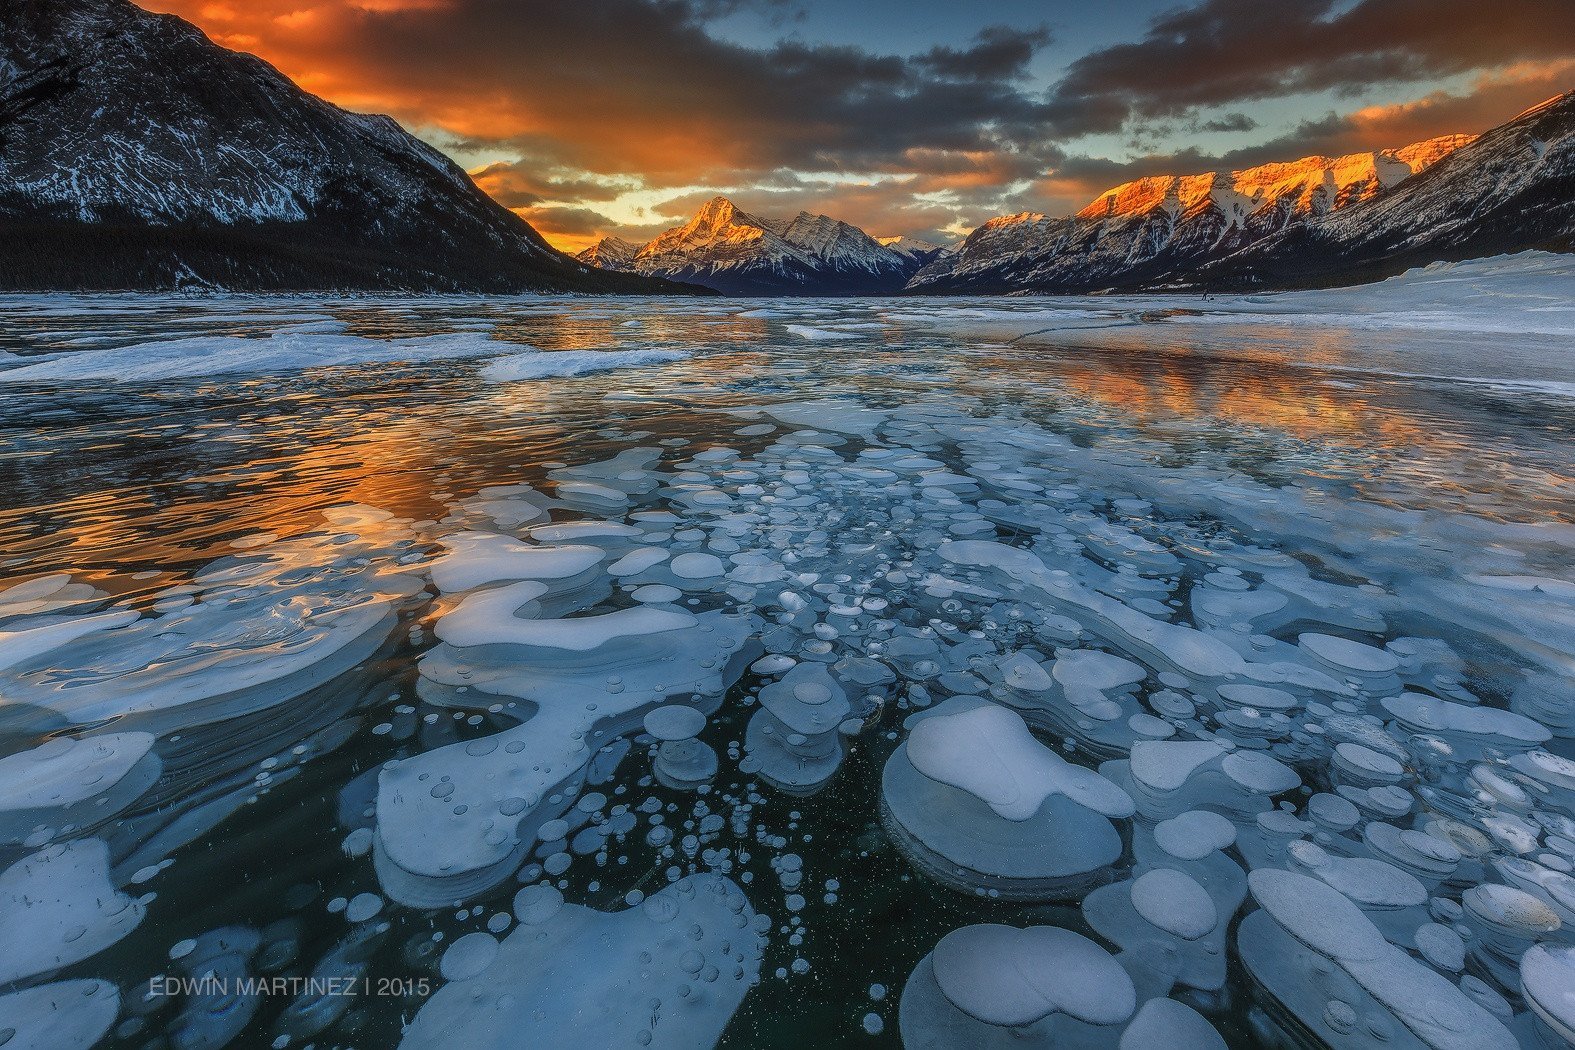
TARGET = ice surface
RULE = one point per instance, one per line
(453, 821)
(1384, 978)
(674, 722)
(488, 618)
(27, 639)
(80, 782)
(1009, 977)
(1169, 646)
(794, 739)
(286, 617)
(469, 956)
(988, 752)
(220, 1007)
(475, 558)
(559, 364)
(992, 986)
(1547, 976)
(651, 636)
(1468, 728)
(301, 347)
(1170, 928)
(1172, 901)
(804, 331)
(1164, 1024)
(685, 763)
(1443, 296)
(1194, 834)
(286, 351)
(1168, 777)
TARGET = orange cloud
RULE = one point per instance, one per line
(629, 86)
(302, 19)
(583, 91)
(401, 5)
(1494, 97)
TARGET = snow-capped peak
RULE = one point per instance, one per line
(610, 253)
(1421, 155)
(1299, 188)
(1022, 218)
(915, 248)
(837, 242)
(726, 247)
(1547, 103)
(1501, 191)
(718, 226)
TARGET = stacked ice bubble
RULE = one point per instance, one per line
(457, 820)
(977, 803)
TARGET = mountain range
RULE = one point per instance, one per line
(1147, 230)
(1317, 220)
(1509, 190)
(136, 153)
(732, 251)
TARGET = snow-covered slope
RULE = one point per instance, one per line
(1158, 230)
(609, 253)
(1272, 195)
(1510, 190)
(136, 153)
(922, 252)
(735, 252)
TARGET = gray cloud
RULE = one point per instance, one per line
(1220, 52)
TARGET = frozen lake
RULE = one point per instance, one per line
(782, 673)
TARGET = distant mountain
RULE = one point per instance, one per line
(1159, 230)
(136, 153)
(1510, 190)
(921, 252)
(609, 253)
(738, 253)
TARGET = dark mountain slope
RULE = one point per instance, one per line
(136, 153)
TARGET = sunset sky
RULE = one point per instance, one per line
(921, 117)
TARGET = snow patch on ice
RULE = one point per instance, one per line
(209, 355)
(560, 364)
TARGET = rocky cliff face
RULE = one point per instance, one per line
(136, 153)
